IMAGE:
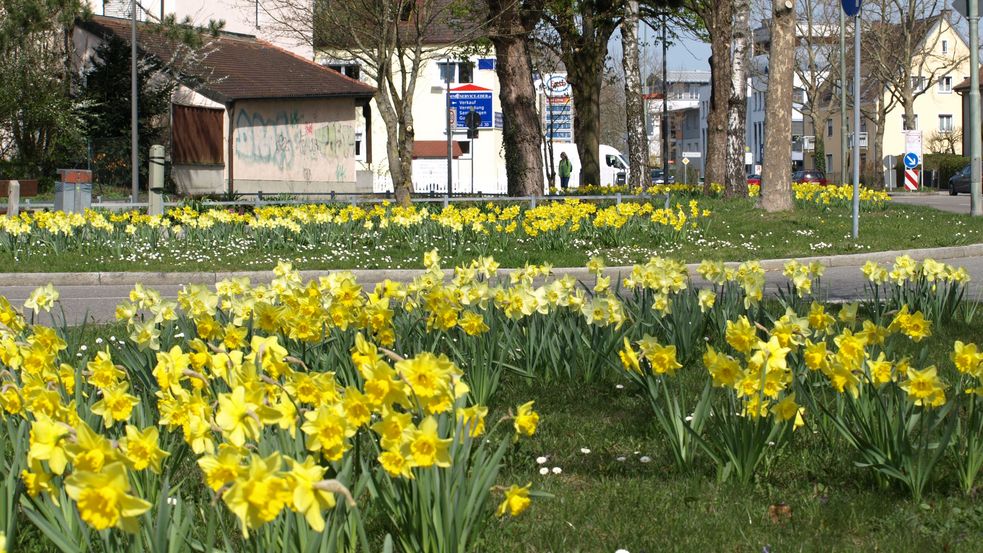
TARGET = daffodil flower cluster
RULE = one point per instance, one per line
(233, 390)
(831, 194)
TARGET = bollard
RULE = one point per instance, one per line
(617, 198)
(532, 202)
(13, 198)
(156, 192)
(445, 202)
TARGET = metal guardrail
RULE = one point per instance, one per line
(443, 200)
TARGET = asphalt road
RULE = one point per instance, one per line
(96, 303)
(944, 202)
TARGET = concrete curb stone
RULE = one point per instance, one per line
(404, 275)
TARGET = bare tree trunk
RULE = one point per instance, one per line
(521, 132)
(873, 171)
(634, 109)
(737, 104)
(720, 29)
(399, 146)
(776, 175)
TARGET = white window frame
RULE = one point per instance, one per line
(946, 117)
(907, 129)
(945, 84)
(945, 46)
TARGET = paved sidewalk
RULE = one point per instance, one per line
(94, 296)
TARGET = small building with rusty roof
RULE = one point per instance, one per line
(248, 116)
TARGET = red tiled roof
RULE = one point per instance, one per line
(237, 67)
(434, 149)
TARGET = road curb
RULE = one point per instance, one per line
(110, 278)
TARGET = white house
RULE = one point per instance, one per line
(246, 17)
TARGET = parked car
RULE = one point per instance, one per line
(754, 179)
(658, 179)
(960, 181)
(814, 177)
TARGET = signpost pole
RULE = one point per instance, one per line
(976, 194)
(856, 123)
(447, 114)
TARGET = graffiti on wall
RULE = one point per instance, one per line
(294, 144)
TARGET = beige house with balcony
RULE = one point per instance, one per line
(943, 65)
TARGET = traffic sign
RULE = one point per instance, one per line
(962, 6)
(911, 160)
(469, 97)
(911, 179)
(685, 161)
(851, 7)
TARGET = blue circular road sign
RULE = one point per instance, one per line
(911, 160)
(851, 7)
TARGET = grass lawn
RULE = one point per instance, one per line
(736, 231)
(811, 498)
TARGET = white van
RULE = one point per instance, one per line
(614, 168)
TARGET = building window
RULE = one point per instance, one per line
(945, 123)
(798, 96)
(359, 150)
(829, 162)
(945, 84)
(945, 46)
(917, 84)
(905, 127)
(350, 70)
(447, 71)
(863, 125)
(829, 128)
(465, 72)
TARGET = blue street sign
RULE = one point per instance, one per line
(481, 102)
(851, 7)
(911, 160)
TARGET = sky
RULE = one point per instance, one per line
(686, 53)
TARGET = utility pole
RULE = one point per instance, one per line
(976, 195)
(843, 115)
(134, 141)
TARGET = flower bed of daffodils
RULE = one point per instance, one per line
(805, 193)
(282, 417)
(492, 226)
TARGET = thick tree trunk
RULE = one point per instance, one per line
(585, 74)
(776, 175)
(634, 108)
(719, 27)
(521, 132)
(737, 103)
